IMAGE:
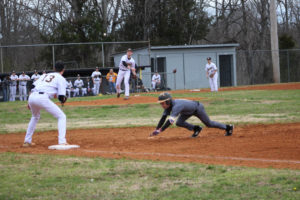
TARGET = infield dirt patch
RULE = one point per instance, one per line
(275, 145)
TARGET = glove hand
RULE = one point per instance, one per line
(154, 133)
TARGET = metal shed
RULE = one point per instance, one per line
(189, 62)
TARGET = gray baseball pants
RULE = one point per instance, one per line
(201, 114)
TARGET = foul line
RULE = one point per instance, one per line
(193, 156)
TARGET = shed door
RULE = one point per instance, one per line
(225, 70)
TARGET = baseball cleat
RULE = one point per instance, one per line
(197, 130)
(118, 95)
(229, 130)
(27, 144)
(126, 98)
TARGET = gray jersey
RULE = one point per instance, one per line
(182, 106)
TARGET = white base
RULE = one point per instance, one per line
(195, 90)
(63, 147)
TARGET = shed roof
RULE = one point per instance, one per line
(193, 46)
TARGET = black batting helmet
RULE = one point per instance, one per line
(164, 97)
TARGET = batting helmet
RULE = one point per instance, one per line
(164, 97)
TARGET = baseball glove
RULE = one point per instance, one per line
(62, 98)
(211, 75)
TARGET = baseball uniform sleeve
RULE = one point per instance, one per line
(62, 85)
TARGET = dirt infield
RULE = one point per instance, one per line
(275, 145)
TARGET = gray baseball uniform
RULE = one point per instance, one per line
(187, 108)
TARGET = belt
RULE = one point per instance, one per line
(41, 92)
(124, 70)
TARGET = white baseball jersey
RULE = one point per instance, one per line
(23, 79)
(128, 61)
(210, 68)
(78, 83)
(52, 84)
(96, 73)
(97, 80)
(13, 79)
(69, 85)
(34, 77)
(156, 78)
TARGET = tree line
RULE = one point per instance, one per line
(162, 22)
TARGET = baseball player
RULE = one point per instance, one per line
(69, 88)
(45, 88)
(212, 75)
(78, 84)
(127, 64)
(155, 80)
(97, 82)
(35, 76)
(185, 109)
(23, 78)
(13, 86)
(96, 73)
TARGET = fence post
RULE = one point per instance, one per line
(53, 56)
(288, 64)
(102, 55)
(1, 60)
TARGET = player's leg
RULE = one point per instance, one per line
(25, 93)
(33, 103)
(84, 91)
(215, 82)
(153, 85)
(126, 83)
(181, 122)
(14, 92)
(21, 93)
(56, 112)
(201, 114)
(211, 84)
(119, 80)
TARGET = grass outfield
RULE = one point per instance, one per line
(238, 107)
(24, 176)
(65, 177)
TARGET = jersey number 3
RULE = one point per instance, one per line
(48, 79)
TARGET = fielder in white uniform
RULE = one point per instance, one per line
(78, 84)
(46, 87)
(23, 78)
(96, 77)
(13, 86)
(155, 80)
(212, 75)
(35, 76)
(69, 88)
(127, 64)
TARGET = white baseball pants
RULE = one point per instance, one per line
(12, 93)
(83, 92)
(37, 102)
(213, 82)
(123, 75)
(23, 92)
(97, 88)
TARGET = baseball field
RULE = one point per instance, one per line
(117, 160)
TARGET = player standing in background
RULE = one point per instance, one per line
(212, 75)
(96, 73)
(111, 77)
(35, 76)
(78, 84)
(97, 82)
(13, 86)
(185, 109)
(155, 80)
(23, 78)
(69, 88)
(127, 64)
(48, 86)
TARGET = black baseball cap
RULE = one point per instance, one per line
(129, 49)
(164, 97)
(59, 66)
(209, 58)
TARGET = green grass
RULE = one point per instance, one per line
(269, 106)
(64, 177)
